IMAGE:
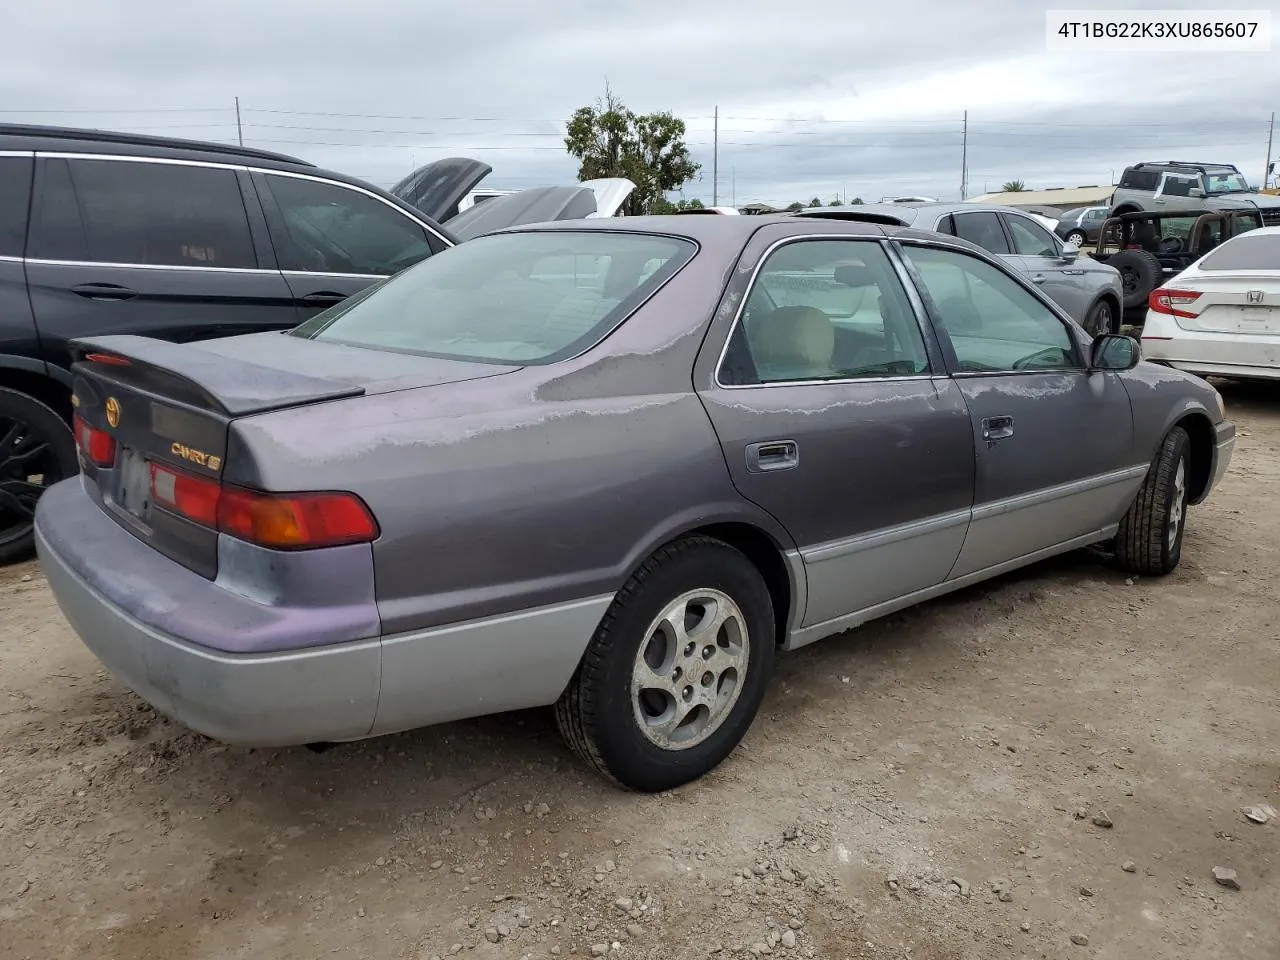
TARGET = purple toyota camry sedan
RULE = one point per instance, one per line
(613, 466)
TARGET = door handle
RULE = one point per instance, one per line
(104, 291)
(772, 455)
(995, 429)
(324, 298)
(1039, 278)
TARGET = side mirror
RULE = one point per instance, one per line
(1197, 193)
(1070, 253)
(1111, 351)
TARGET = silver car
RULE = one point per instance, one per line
(1090, 292)
(613, 465)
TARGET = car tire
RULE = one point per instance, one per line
(1101, 319)
(1149, 541)
(34, 441)
(1077, 237)
(1140, 273)
(615, 723)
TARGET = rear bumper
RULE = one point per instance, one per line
(1252, 356)
(138, 612)
(289, 697)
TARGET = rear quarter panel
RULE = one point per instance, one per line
(539, 486)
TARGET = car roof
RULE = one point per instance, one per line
(15, 136)
(83, 141)
(708, 229)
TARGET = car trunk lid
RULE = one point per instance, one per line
(437, 188)
(156, 408)
(1237, 304)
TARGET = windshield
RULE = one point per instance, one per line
(1226, 182)
(1254, 251)
(518, 298)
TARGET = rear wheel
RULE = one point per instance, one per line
(36, 451)
(676, 671)
(1149, 540)
(1101, 319)
(1077, 237)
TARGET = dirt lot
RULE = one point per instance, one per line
(925, 787)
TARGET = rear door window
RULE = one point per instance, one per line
(15, 200)
(330, 228)
(982, 229)
(142, 213)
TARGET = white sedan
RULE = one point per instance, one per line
(1221, 315)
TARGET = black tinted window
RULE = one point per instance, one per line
(15, 196)
(333, 229)
(982, 229)
(158, 214)
(1140, 180)
(1253, 251)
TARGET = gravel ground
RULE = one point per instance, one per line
(1050, 766)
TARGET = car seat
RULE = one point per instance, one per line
(793, 343)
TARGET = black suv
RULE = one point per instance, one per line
(112, 233)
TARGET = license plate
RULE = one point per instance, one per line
(135, 483)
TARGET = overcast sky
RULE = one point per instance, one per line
(816, 97)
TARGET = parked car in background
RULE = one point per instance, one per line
(1149, 248)
(1184, 185)
(1090, 292)
(105, 233)
(1221, 315)
(1081, 225)
(612, 466)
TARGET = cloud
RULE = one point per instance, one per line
(816, 97)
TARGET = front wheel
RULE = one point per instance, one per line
(1077, 237)
(676, 671)
(36, 451)
(1149, 541)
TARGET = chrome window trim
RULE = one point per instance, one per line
(7, 259)
(149, 266)
(343, 276)
(245, 167)
(881, 241)
(1062, 316)
(17, 153)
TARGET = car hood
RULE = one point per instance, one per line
(1243, 201)
(611, 193)
(437, 188)
(537, 205)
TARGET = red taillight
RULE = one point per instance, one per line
(294, 521)
(98, 446)
(195, 498)
(107, 358)
(1171, 302)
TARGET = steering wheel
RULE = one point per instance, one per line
(1051, 354)
(1171, 245)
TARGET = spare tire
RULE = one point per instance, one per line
(1140, 273)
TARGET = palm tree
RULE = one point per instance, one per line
(1014, 186)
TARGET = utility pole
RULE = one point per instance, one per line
(733, 185)
(715, 161)
(964, 158)
(1266, 171)
(239, 129)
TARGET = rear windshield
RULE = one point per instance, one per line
(518, 298)
(1252, 251)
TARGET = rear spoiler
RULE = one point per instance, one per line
(232, 387)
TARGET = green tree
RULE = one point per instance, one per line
(856, 200)
(663, 206)
(610, 140)
(835, 202)
(1013, 186)
(815, 202)
(794, 207)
